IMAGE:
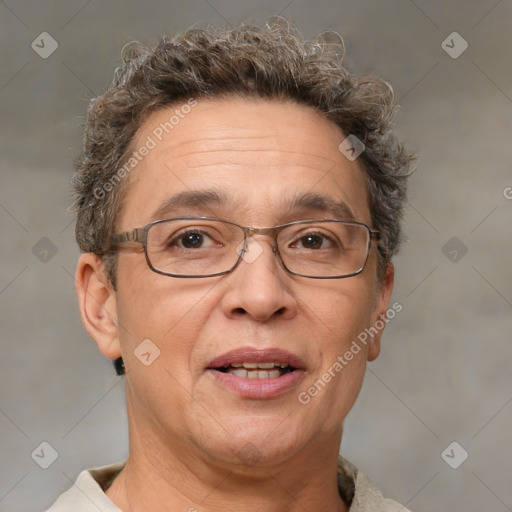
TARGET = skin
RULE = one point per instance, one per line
(186, 430)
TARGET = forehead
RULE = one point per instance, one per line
(254, 161)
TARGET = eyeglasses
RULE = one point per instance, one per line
(207, 246)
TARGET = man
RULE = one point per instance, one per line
(239, 196)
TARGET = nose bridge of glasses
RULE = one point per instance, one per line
(258, 231)
(250, 231)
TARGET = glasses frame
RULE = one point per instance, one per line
(140, 235)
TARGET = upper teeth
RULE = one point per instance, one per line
(268, 365)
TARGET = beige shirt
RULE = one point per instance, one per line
(87, 494)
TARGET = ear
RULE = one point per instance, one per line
(97, 302)
(379, 317)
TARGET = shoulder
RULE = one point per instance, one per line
(365, 496)
(86, 494)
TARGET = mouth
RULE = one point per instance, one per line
(253, 373)
(252, 370)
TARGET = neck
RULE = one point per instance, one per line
(159, 477)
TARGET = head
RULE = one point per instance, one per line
(248, 122)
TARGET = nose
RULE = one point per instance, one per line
(259, 287)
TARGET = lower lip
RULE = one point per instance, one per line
(258, 388)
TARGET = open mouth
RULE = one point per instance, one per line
(257, 373)
(252, 370)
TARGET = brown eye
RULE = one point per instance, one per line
(312, 241)
(192, 240)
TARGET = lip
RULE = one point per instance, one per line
(257, 388)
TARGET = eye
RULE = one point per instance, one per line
(314, 241)
(191, 239)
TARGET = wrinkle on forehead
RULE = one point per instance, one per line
(198, 153)
(262, 160)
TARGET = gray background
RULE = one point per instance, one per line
(444, 373)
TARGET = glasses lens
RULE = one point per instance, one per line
(195, 247)
(324, 248)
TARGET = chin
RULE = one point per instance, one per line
(250, 456)
(254, 448)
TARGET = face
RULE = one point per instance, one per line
(258, 156)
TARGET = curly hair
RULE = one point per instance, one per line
(269, 62)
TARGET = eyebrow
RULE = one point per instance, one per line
(210, 198)
(321, 203)
(191, 199)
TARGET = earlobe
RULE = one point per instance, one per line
(379, 315)
(97, 302)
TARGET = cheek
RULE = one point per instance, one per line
(160, 320)
(160, 309)
(340, 315)
(332, 388)
(342, 311)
